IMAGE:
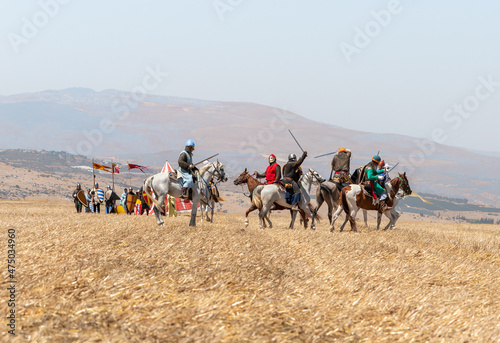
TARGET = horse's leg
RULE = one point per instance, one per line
(395, 216)
(263, 215)
(391, 217)
(379, 219)
(202, 210)
(268, 214)
(212, 212)
(319, 202)
(334, 218)
(194, 209)
(365, 217)
(292, 222)
(303, 218)
(352, 219)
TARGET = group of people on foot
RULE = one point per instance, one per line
(93, 200)
(108, 198)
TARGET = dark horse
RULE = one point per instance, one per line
(328, 192)
(252, 182)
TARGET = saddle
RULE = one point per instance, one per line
(368, 190)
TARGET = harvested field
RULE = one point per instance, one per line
(118, 278)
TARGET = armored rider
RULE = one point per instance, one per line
(291, 175)
(186, 167)
(373, 174)
(273, 171)
(341, 163)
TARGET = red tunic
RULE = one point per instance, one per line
(271, 173)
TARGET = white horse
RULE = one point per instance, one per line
(265, 196)
(208, 194)
(162, 184)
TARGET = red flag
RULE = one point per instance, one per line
(116, 169)
(136, 166)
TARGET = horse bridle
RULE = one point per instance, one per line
(403, 183)
(218, 175)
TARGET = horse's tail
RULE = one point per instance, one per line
(256, 199)
(345, 204)
(148, 181)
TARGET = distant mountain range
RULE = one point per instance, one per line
(122, 127)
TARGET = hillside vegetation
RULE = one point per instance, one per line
(118, 278)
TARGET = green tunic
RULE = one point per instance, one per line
(373, 176)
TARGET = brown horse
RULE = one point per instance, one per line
(252, 182)
(353, 198)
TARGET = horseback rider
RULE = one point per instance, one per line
(341, 163)
(291, 175)
(373, 171)
(186, 167)
(78, 204)
(273, 171)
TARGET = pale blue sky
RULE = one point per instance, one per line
(284, 53)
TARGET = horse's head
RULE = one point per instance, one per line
(404, 184)
(242, 178)
(315, 177)
(219, 172)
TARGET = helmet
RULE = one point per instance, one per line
(109, 187)
(376, 159)
(341, 150)
(381, 164)
(96, 185)
(272, 158)
(78, 186)
(189, 142)
(292, 157)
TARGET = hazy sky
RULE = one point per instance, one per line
(407, 67)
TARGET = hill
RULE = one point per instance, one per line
(112, 125)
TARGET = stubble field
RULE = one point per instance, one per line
(118, 278)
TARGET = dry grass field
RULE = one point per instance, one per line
(118, 278)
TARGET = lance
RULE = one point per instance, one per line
(295, 140)
(330, 153)
(206, 159)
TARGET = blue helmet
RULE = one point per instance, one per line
(189, 142)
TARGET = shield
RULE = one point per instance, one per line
(81, 198)
(100, 194)
(147, 200)
(131, 200)
(120, 209)
(111, 196)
